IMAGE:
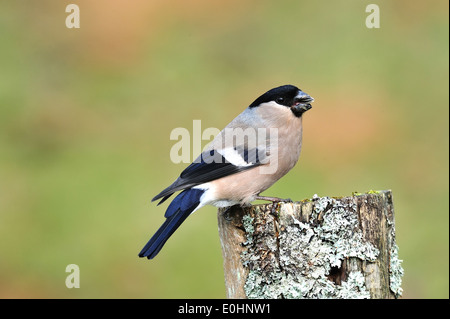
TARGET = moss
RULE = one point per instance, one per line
(368, 192)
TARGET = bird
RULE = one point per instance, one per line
(249, 155)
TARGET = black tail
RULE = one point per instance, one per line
(180, 208)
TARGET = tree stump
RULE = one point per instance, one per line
(319, 248)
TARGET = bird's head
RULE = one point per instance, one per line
(287, 95)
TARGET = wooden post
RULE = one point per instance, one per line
(319, 248)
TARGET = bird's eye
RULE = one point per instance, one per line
(280, 100)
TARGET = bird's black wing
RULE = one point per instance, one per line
(211, 165)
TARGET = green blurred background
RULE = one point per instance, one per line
(86, 114)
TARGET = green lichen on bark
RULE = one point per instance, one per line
(293, 255)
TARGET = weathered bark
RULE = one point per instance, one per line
(319, 248)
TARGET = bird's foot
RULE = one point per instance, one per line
(274, 199)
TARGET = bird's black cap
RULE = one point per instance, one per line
(283, 95)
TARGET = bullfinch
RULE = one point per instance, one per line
(248, 156)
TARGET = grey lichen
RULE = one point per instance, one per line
(247, 221)
(306, 254)
(354, 287)
(396, 272)
(340, 227)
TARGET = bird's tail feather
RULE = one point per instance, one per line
(180, 208)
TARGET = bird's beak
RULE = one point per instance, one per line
(302, 103)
